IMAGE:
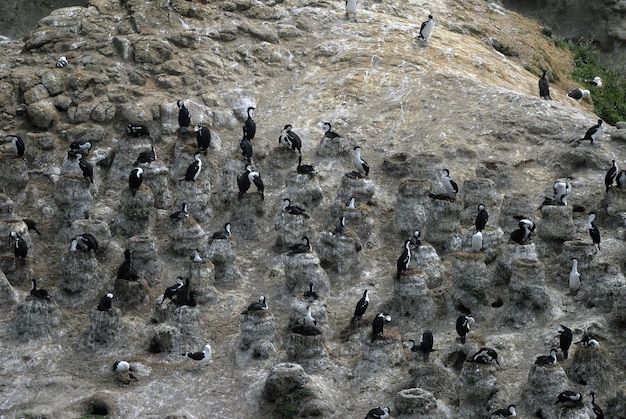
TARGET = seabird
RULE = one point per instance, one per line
(477, 242)
(137, 130)
(293, 209)
(589, 340)
(85, 242)
(351, 8)
(82, 147)
(351, 204)
(426, 344)
(61, 62)
(593, 132)
(248, 178)
(18, 145)
(378, 413)
(310, 294)
(578, 94)
(569, 398)
(222, 234)
(361, 165)
(259, 305)
(204, 356)
(360, 308)
(203, 138)
(481, 218)
(246, 148)
(524, 231)
(85, 167)
(194, 169)
(597, 81)
(574, 277)
(303, 247)
(547, 359)
(562, 190)
(404, 260)
(182, 213)
(341, 227)
(620, 179)
(172, 290)
(196, 257)
(20, 248)
(40, 293)
(507, 413)
(416, 239)
(378, 324)
(485, 356)
(183, 116)
(448, 184)
(146, 157)
(611, 176)
(304, 169)
(135, 179)
(596, 409)
(544, 87)
(565, 339)
(329, 133)
(121, 366)
(593, 229)
(105, 302)
(426, 30)
(126, 270)
(31, 225)
(463, 324)
(249, 126)
(290, 139)
(308, 318)
(184, 295)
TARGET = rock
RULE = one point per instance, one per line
(543, 385)
(55, 81)
(222, 254)
(340, 253)
(471, 282)
(104, 327)
(42, 113)
(615, 201)
(186, 236)
(245, 216)
(179, 333)
(529, 298)
(136, 215)
(416, 402)
(436, 379)
(36, 319)
(302, 268)
(291, 229)
(360, 219)
(477, 191)
(257, 334)
(8, 295)
(13, 176)
(362, 190)
(283, 380)
(426, 259)
(82, 278)
(131, 295)
(475, 386)
(332, 147)
(145, 257)
(443, 230)
(304, 190)
(73, 199)
(556, 223)
(412, 204)
(412, 299)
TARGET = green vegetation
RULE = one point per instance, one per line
(138, 213)
(610, 100)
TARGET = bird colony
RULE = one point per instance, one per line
(204, 222)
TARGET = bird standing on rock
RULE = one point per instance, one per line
(544, 87)
(105, 302)
(20, 248)
(481, 218)
(361, 165)
(404, 260)
(351, 8)
(249, 126)
(463, 325)
(85, 167)
(290, 139)
(194, 169)
(18, 145)
(592, 133)
(574, 277)
(360, 308)
(378, 325)
(184, 119)
(135, 179)
(611, 176)
(126, 270)
(593, 229)
(565, 339)
(203, 138)
(426, 29)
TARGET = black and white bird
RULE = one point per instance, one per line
(481, 218)
(196, 256)
(426, 30)
(40, 293)
(352, 203)
(222, 234)
(257, 306)
(85, 167)
(202, 357)
(593, 229)
(547, 359)
(181, 214)
(574, 276)
(81, 147)
(485, 356)
(351, 8)
(524, 231)
(544, 86)
(303, 247)
(61, 62)
(304, 169)
(147, 156)
(426, 344)
(509, 412)
(121, 366)
(194, 169)
(172, 290)
(126, 270)
(362, 168)
(416, 239)
(203, 138)
(589, 340)
(310, 294)
(329, 133)
(611, 176)
(378, 412)
(341, 227)
(293, 209)
(246, 179)
(308, 318)
(185, 296)
(596, 409)
(86, 242)
(578, 94)
(569, 398)
(31, 225)
(105, 302)
(249, 126)
(404, 260)
(378, 325)
(593, 133)
(565, 339)
(246, 148)
(290, 139)
(597, 81)
(463, 325)
(184, 119)
(361, 306)
(477, 242)
(20, 248)
(448, 184)
(562, 190)
(137, 130)
(135, 179)
(18, 145)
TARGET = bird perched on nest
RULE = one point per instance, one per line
(362, 168)
(202, 357)
(147, 156)
(293, 209)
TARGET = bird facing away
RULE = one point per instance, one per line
(105, 302)
(126, 270)
(378, 325)
(426, 29)
(593, 229)
(611, 176)
(477, 242)
(351, 9)
(544, 87)
(361, 165)
(147, 156)
(249, 126)
(565, 339)
(246, 148)
(578, 94)
(593, 133)
(184, 119)
(202, 357)
(404, 260)
(463, 325)
(18, 145)
(426, 344)
(20, 248)
(574, 277)
(481, 218)
(379, 413)
(310, 294)
(203, 138)
(135, 179)
(361, 306)
(85, 167)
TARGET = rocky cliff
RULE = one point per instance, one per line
(465, 100)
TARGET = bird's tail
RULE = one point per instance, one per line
(463, 340)
(565, 354)
(426, 356)
(306, 215)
